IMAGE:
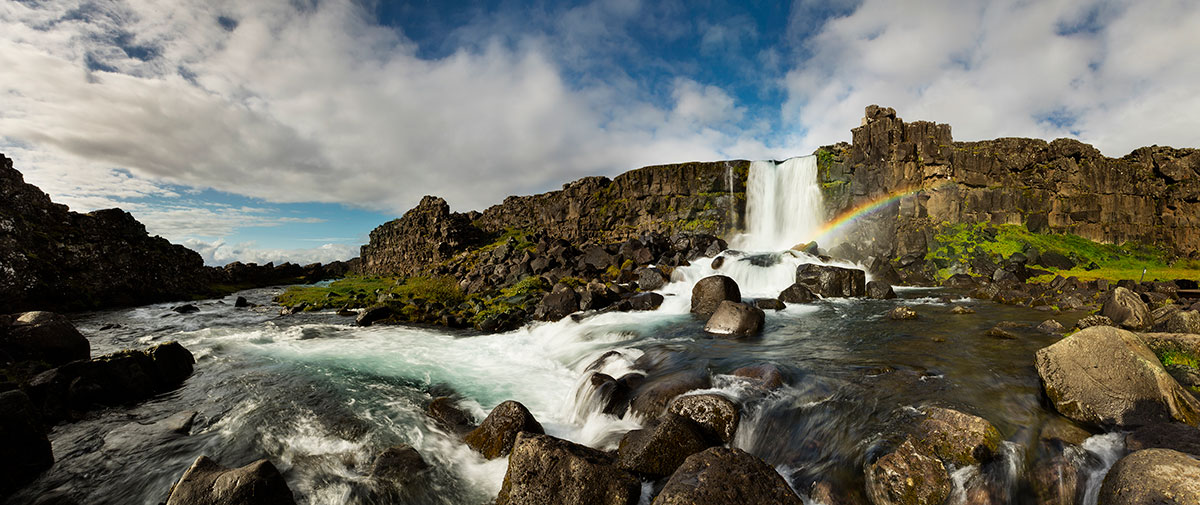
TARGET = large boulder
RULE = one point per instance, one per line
(652, 398)
(1152, 477)
(720, 475)
(42, 336)
(543, 469)
(1126, 309)
(717, 415)
(398, 466)
(958, 438)
(651, 278)
(709, 292)
(830, 281)
(735, 319)
(657, 451)
(1175, 436)
(208, 483)
(1181, 321)
(25, 449)
(1108, 377)
(907, 476)
(495, 436)
(797, 293)
(880, 290)
(556, 305)
(445, 412)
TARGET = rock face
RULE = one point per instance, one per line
(1126, 309)
(495, 437)
(1108, 377)
(42, 336)
(907, 476)
(208, 483)
(26, 450)
(425, 235)
(708, 294)
(544, 469)
(1152, 477)
(722, 475)
(735, 319)
(830, 281)
(880, 290)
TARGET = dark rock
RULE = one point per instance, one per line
(43, 336)
(831, 281)
(651, 278)
(445, 412)
(208, 483)
(797, 293)
(1126, 309)
(1152, 477)
(880, 290)
(181, 422)
(717, 263)
(1055, 480)
(615, 393)
(494, 438)
(734, 319)
(1186, 376)
(902, 314)
(769, 304)
(716, 415)
(1053, 259)
(427, 234)
(907, 476)
(961, 281)
(1175, 436)
(400, 465)
(651, 399)
(26, 450)
(766, 374)
(186, 309)
(373, 315)
(658, 451)
(172, 362)
(709, 292)
(645, 301)
(545, 470)
(958, 438)
(721, 475)
(241, 302)
(557, 305)
(825, 493)
(1001, 333)
(1180, 321)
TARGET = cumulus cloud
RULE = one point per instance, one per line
(220, 253)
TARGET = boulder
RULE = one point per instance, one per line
(495, 436)
(644, 301)
(1051, 326)
(1093, 320)
(26, 450)
(766, 374)
(615, 393)
(657, 451)
(399, 465)
(172, 362)
(907, 476)
(372, 315)
(769, 304)
(556, 305)
(651, 278)
(241, 302)
(1108, 377)
(1152, 477)
(43, 336)
(902, 314)
(1055, 480)
(544, 470)
(208, 483)
(880, 290)
(445, 412)
(652, 398)
(735, 319)
(716, 415)
(825, 493)
(960, 309)
(1001, 332)
(709, 292)
(186, 309)
(797, 293)
(958, 438)
(830, 281)
(1056, 260)
(1126, 309)
(1182, 321)
(720, 475)
(1175, 436)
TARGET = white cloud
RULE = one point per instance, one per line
(220, 253)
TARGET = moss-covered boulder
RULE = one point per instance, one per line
(958, 438)
(720, 475)
(908, 475)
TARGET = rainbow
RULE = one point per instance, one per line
(866, 208)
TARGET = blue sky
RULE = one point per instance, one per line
(286, 130)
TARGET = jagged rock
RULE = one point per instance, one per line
(769, 304)
(42, 336)
(721, 475)
(615, 393)
(959, 309)
(427, 234)
(26, 450)
(373, 315)
(1126, 309)
(766, 374)
(208, 483)
(1093, 320)
(399, 465)
(958, 438)
(1175, 436)
(658, 451)
(880, 290)
(830, 281)
(797, 293)
(735, 319)
(652, 399)
(1108, 377)
(907, 476)
(716, 415)
(709, 292)
(544, 469)
(1051, 326)
(651, 278)
(557, 305)
(448, 416)
(494, 438)
(241, 302)
(902, 314)
(1152, 477)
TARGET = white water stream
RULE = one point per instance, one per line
(784, 205)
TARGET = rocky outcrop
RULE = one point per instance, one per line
(722, 475)
(42, 336)
(495, 436)
(1152, 477)
(209, 483)
(831, 281)
(543, 469)
(426, 235)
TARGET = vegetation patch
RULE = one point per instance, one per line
(1169, 358)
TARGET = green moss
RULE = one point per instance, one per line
(527, 286)
(361, 292)
(1179, 358)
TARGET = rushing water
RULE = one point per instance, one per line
(783, 205)
(320, 398)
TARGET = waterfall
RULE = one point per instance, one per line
(784, 205)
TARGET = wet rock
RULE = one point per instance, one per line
(831, 281)
(959, 309)
(907, 476)
(1108, 377)
(1001, 332)
(495, 437)
(651, 278)
(797, 293)
(1152, 477)
(25, 449)
(765, 374)
(958, 438)
(902, 314)
(644, 301)
(825, 493)
(173, 363)
(658, 451)
(241, 302)
(186, 309)
(652, 398)
(769, 304)
(556, 305)
(1051, 326)
(717, 263)
(615, 393)
(880, 290)
(42, 336)
(445, 412)
(1175, 436)
(208, 483)
(544, 470)
(1060, 431)
(1094, 320)
(372, 316)
(181, 422)
(709, 292)
(1126, 309)
(735, 319)
(1055, 480)
(399, 466)
(716, 415)
(722, 475)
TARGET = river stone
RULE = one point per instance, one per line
(766, 374)
(26, 450)
(717, 415)
(241, 302)
(1093, 320)
(652, 399)
(398, 465)
(907, 476)
(494, 438)
(372, 315)
(720, 476)
(1184, 343)
(173, 362)
(657, 451)
(797, 293)
(445, 412)
(735, 319)
(544, 470)
(186, 309)
(825, 493)
(43, 336)
(880, 290)
(902, 314)
(208, 483)
(1051, 326)
(708, 294)
(769, 304)
(615, 393)
(1001, 332)
(1126, 309)
(1108, 377)
(830, 281)
(1175, 436)
(958, 438)
(1055, 480)
(651, 278)
(1183, 321)
(1152, 477)
(959, 309)
(557, 305)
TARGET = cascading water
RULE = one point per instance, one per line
(784, 205)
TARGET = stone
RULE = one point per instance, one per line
(172, 362)
(445, 412)
(1055, 480)
(1108, 377)
(958, 438)
(716, 415)
(1051, 326)
(717, 263)
(797, 293)
(902, 314)
(241, 302)
(645, 301)
(186, 309)
(1093, 320)
(1056, 260)
(880, 290)
(907, 476)
(657, 451)
(652, 399)
(1181, 321)
(959, 309)
(830, 281)
(1126, 309)
(735, 320)
(400, 465)
(43, 336)
(709, 292)
(1152, 477)
(1001, 332)
(495, 436)
(372, 315)
(615, 393)
(557, 305)
(722, 475)
(208, 483)
(651, 278)
(825, 493)
(769, 304)
(26, 450)
(1175, 436)
(545, 470)
(765, 374)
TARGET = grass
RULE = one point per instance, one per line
(361, 291)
